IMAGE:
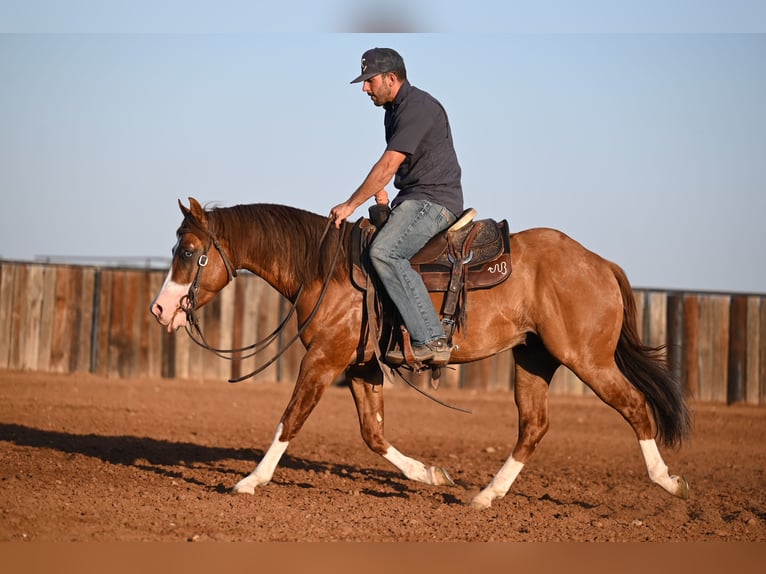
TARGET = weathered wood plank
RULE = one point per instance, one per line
(737, 362)
(116, 323)
(81, 317)
(155, 352)
(143, 297)
(756, 339)
(76, 349)
(61, 341)
(450, 377)
(639, 297)
(691, 362)
(721, 351)
(211, 328)
(103, 311)
(675, 335)
(492, 373)
(565, 382)
(289, 364)
(705, 348)
(47, 318)
(117, 320)
(226, 339)
(656, 319)
(184, 349)
(713, 347)
(238, 325)
(133, 320)
(7, 281)
(18, 318)
(30, 336)
(248, 314)
(762, 355)
(267, 308)
(475, 375)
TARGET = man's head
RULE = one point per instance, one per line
(383, 72)
(380, 61)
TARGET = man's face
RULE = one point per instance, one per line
(380, 89)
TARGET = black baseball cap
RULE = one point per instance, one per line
(379, 61)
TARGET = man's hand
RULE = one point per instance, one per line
(381, 198)
(340, 213)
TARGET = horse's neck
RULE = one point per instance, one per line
(272, 241)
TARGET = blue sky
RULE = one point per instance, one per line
(641, 136)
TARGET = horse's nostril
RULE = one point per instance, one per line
(156, 310)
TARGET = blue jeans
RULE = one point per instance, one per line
(408, 228)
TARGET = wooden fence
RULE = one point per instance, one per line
(70, 319)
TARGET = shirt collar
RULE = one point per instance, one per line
(404, 90)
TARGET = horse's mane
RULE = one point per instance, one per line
(285, 239)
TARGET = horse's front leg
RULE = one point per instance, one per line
(366, 384)
(313, 379)
(265, 469)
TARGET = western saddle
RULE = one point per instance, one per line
(468, 255)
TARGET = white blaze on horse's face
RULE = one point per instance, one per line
(167, 306)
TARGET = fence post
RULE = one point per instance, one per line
(675, 336)
(735, 386)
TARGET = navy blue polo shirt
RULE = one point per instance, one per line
(417, 126)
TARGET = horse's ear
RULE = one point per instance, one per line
(184, 209)
(197, 210)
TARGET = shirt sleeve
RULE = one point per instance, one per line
(410, 128)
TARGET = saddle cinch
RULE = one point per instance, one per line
(468, 255)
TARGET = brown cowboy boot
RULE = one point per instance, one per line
(436, 353)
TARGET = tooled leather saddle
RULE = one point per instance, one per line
(468, 255)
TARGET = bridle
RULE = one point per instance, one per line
(189, 301)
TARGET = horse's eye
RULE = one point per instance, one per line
(188, 254)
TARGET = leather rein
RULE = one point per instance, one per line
(189, 303)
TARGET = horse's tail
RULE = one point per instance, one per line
(646, 368)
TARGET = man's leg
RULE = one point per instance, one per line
(409, 227)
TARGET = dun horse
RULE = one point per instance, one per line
(562, 305)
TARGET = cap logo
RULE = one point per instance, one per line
(364, 65)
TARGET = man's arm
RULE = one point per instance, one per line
(379, 176)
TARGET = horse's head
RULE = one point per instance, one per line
(199, 269)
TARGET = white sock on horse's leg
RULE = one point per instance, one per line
(658, 470)
(265, 469)
(416, 470)
(500, 485)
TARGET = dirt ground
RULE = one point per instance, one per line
(90, 459)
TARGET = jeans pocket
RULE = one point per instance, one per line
(446, 218)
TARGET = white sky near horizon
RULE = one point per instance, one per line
(642, 137)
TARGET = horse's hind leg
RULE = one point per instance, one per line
(534, 369)
(366, 384)
(614, 389)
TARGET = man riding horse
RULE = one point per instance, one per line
(420, 154)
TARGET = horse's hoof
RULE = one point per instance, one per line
(480, 503)
(441, 477)
(683, 488)
(240, 488)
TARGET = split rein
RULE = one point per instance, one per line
(189, 303)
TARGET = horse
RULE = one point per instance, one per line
(561, 305)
